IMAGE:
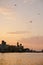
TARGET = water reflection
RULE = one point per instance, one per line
(2, 60)
(21, 59)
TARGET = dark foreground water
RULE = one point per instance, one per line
(21, 58)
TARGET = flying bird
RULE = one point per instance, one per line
(14, 4)
(38, 13)
(30, 21)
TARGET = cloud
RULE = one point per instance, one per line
(4, 10)
(8, 3)
(33, 42)
(7, 14)
(30, 1)
(19, 32)
(25, 1)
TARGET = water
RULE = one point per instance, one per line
(21, 58)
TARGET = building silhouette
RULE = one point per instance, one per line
(15, 48)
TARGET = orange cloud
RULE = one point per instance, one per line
(7, 14)
(4, 10)
(33, 42)
(18, 32)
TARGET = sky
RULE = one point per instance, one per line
(22, 21)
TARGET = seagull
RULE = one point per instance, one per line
(14, 4)
(38, 13)
(30, 21)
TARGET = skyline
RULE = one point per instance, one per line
(22, 21)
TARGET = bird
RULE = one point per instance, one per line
(38, 13)
(14, 4)
(30, 21)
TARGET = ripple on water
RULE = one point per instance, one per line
(21, 59)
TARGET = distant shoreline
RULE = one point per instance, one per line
(21, 52)
(19, 48)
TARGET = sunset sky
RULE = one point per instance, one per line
(22, 21)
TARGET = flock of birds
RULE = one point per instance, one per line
(30, 20)
(27, 21)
